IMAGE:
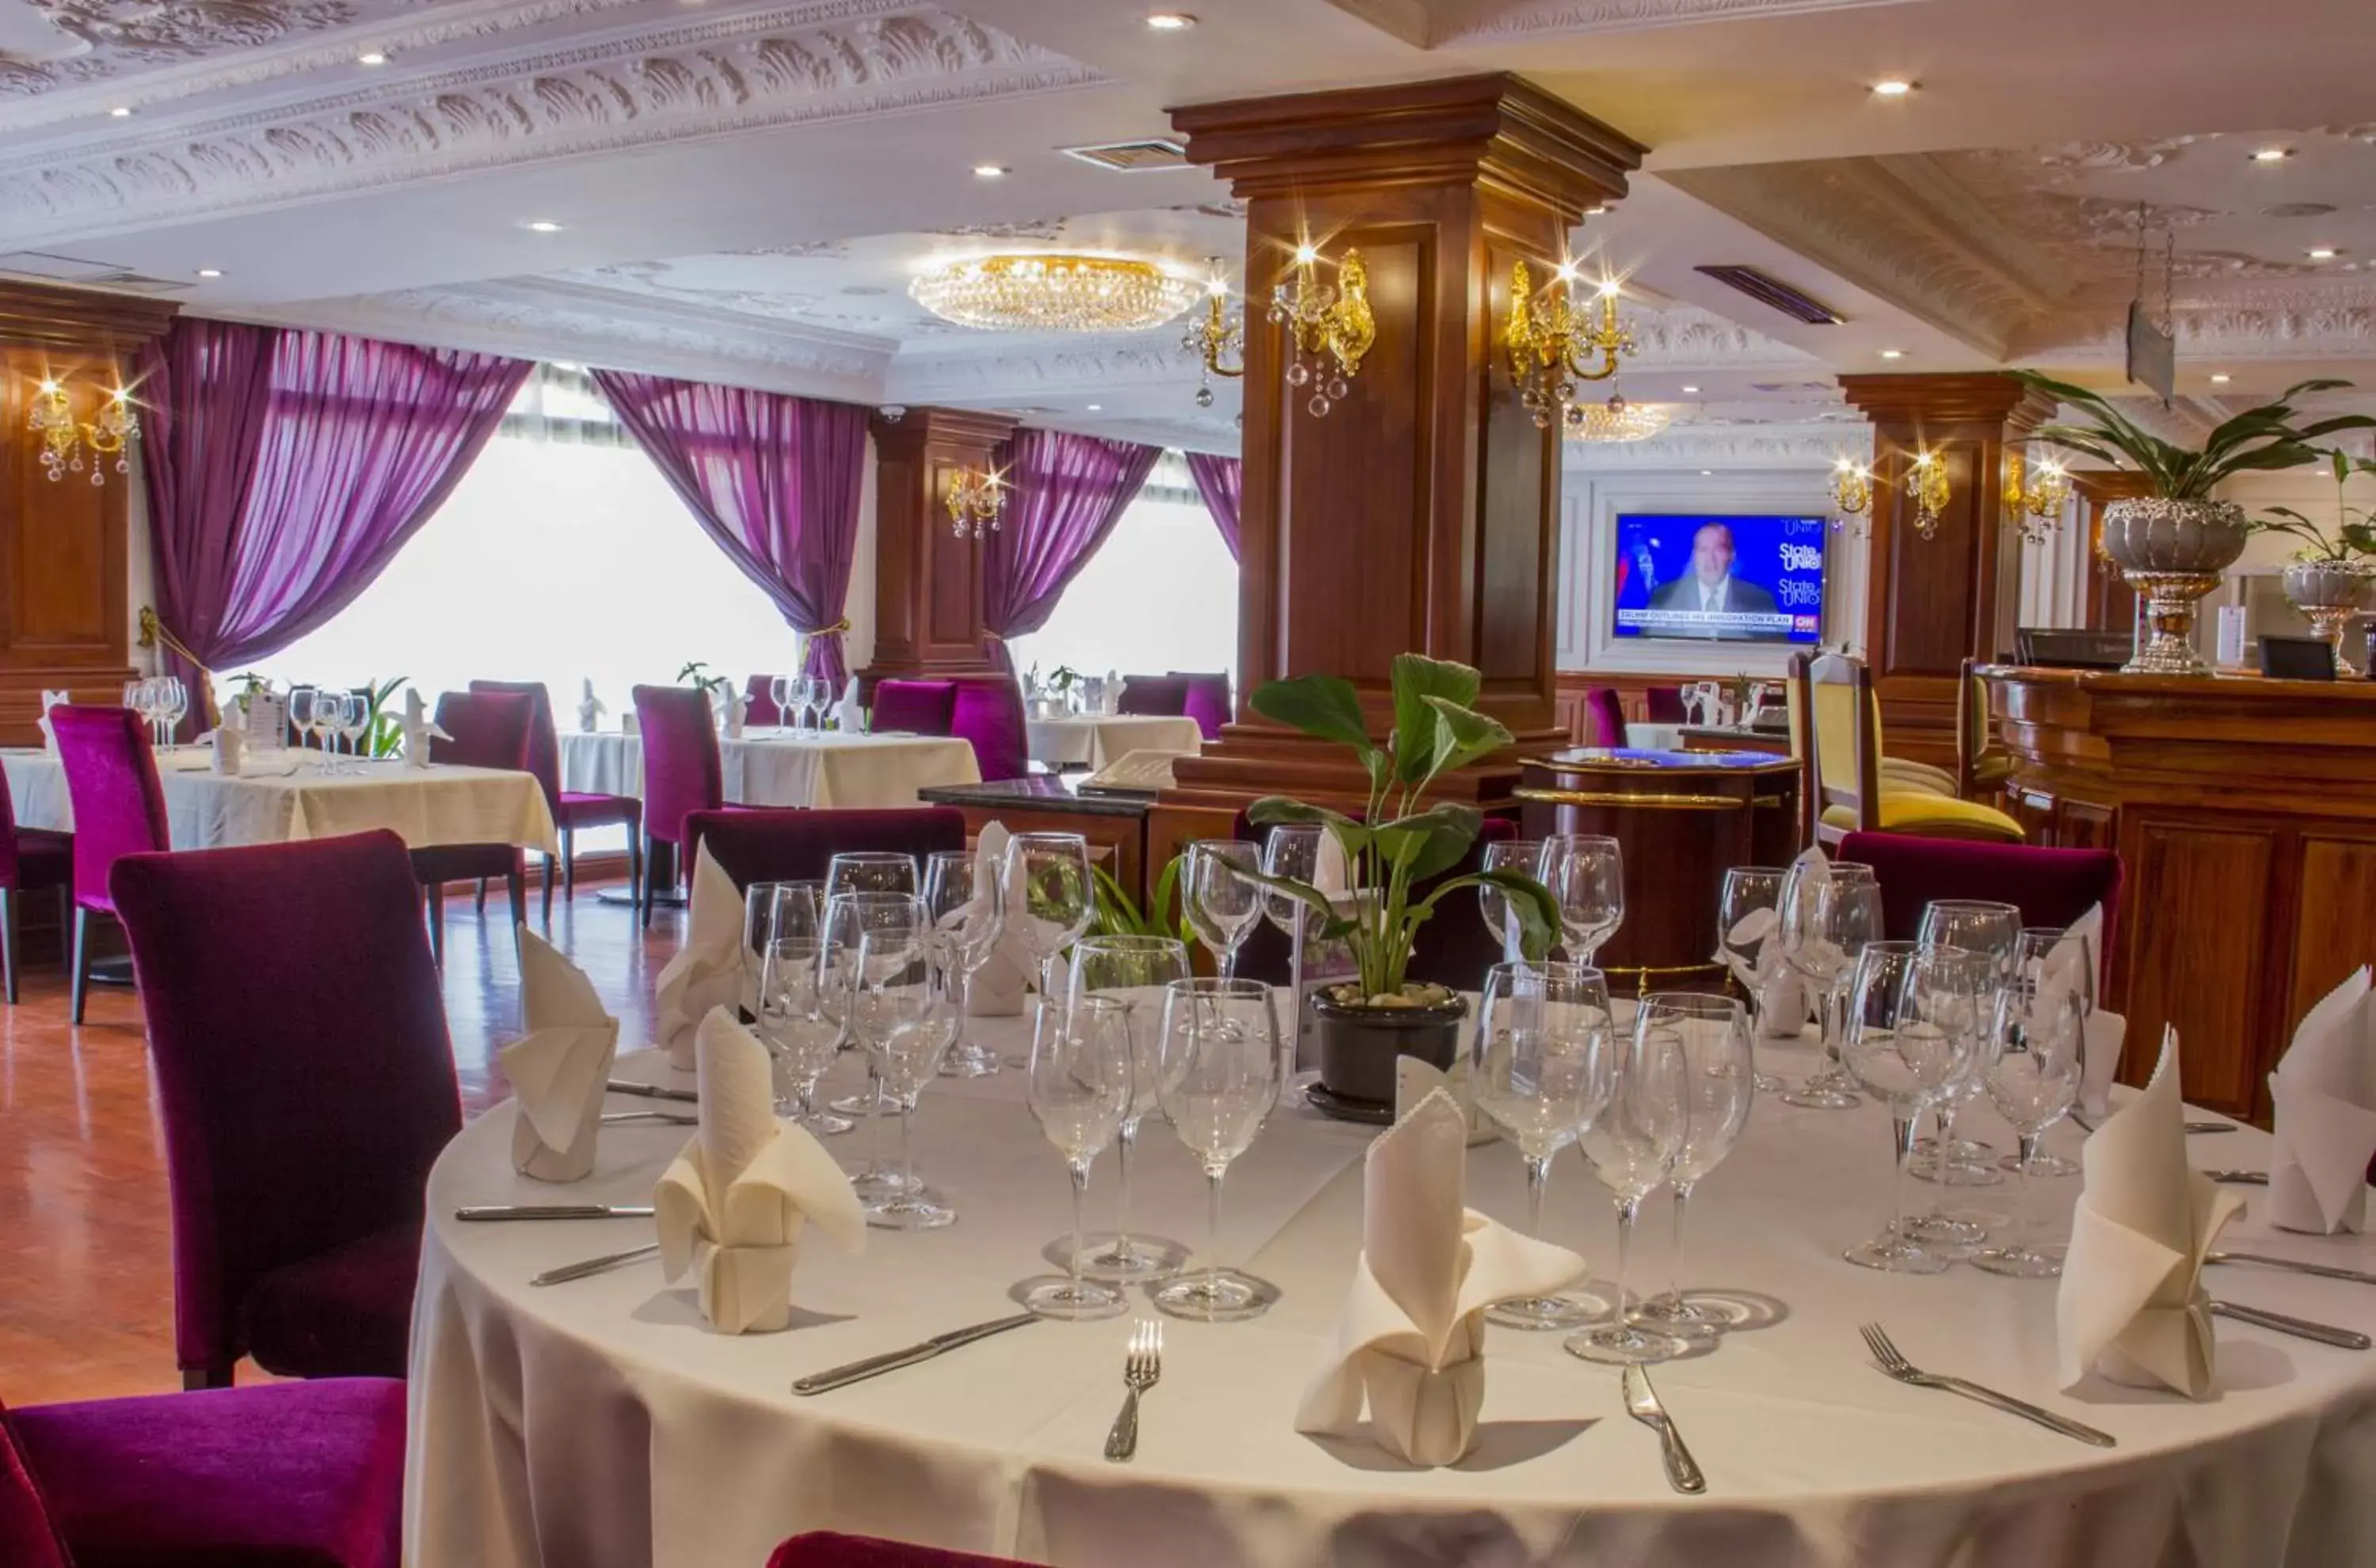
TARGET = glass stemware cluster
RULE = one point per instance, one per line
(329, 716)
(802, 701)
(160, 701)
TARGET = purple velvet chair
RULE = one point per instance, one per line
(31, 861)
(1604, 717)
(793, 845)
(571, 809)
(1663, 704)
(1155, 696)
(1206, 701)
(989, 713)
(824, 1549)
(290, 1475)
(1451, 948)
(119, 809)
(306, 1083)
(759, 701)
(2051, 888)
(919, 707)
(682, 772)
(485, 729)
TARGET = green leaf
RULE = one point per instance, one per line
(1462, 735)
(1324, 706)
(1537, 911)
(1428, 843)
(1301, 892)
(1421, 685)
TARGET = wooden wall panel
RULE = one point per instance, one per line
(2204, 977)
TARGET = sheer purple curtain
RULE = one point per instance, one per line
(1220, 480)
(773, 480)
(1068, 492)
(286, 468)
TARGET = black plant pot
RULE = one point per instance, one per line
(1359, 1046)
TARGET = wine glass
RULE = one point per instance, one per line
(2031, 1065)
(1982, 926)
(1506, 854)
(2055, 961)
(1586, 873)
(1050, 895)
(820, 702)
(773, 911)
(1718, 1085)
(801, 1021)
(1910, 1034)
(354, 717)
(1132, 972)
(969, 910)
(1218, 1069)
(1631, 1144)
(1221, 905)
(1081, 1080)
(779, 692)
(1828, 915)
(1292, 851)
(1541, 1069)
(300, 712)
(868, 871)
(849, 917)
(175, 703)
(901, 1012)
(1748, 922)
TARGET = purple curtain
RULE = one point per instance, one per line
(773, 480)
(286, 468)
(1220, 481)
(1068, 492)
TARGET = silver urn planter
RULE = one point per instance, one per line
(2172, 553)
(2332, 595)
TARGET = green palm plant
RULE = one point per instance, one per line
(2355, 526)
(2259, 438)
(383, 733)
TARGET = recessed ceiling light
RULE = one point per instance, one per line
(1595, 212)
(210, 271)
(1169, 22)
(2323, 252)
(1094, 408)
(1892, 353)
(120, 111)
(1690, 388)
(2220, 379)
(371, 57)
(1706, 473)
(543, 226)
(990, 171)
(2272, 154)
(1893, 87)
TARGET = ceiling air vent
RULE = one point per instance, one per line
(1132, 157)
(1774, 294)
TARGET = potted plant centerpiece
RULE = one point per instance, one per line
(2173, 545)
(2332, 579)
(1395, 845)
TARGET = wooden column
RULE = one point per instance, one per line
(1421, 512)
(1931, 602)
(927, 581)
(65, 617)
(2110, 603)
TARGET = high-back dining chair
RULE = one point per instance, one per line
(1155, 696)
(827, 1549)
(1604, 717)
(791, 844)
(119, 809)
(306, 1083)
(759, 701)
(1207, 700)
(1663, 704)
(31, 861)
(1982, 765)
(484, 729)
(918, 708)
(989, 713)
(571, 809)
(1845, 790)
(2050, 887)
(682, 771)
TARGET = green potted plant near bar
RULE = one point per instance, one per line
(1365, 1025)
(2331, 578)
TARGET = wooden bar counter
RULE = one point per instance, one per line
(2244, 814)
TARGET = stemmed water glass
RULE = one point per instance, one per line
(1292, 851)
(1585, 874)
(140, 696)
(901, 1012)
(2032, 1063)
(1505, 854)
(969, 910)
(1081, 1081)
(2056, 963)
(779, 692)
(1222, 905)
(1542, 1067)
(355, 715)
(1132, 972)
(1219, 1071)
(1717, 1088)
(1828, 916)
(1748, 926)
(801, 986)
(861, 871)
(1910, 1034)
(173, 702)
(849, 919)
(1631, 1144)
(1991, 929)
(302, 701)
(1050, 895)
(820, 701)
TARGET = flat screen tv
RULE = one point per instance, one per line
(1699, 577)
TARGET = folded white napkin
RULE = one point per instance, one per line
(558, 1069)
(708, 970)
(419, 729)
(591, 709)
(229, 746)
(2099, 1061)
(49, 700)
(998, 985)
(2324, 1093)
(732, 1206)
(737, 708)
(2081, 946)
(847, 716)
(2131, 1303)
(1412, 1339)
(1780, 990)
(1415, 1080)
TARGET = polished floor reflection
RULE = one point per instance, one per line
(86, 1250)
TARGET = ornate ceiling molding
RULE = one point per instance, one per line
(935, 373)
(1437, 24)
(2305, 323)
(1810, 444)
(742, 74)
(1686, 338)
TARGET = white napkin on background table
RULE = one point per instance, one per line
(708, 970)
(2324, 1096)
(2131, 1303)
(998, 985)
(419, 730)
(732, 1206)
(847, 716)
(2100, 1060)
(559, 1068)
(589, 710)
(49, 700)
(1412, 1343)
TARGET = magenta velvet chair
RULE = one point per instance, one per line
(119, 809)
(1604, 717)
(571, 809)
(989, 715)
(2051, 888)
(1663, 704)
(793, 845)
(486, 729)
(31, 861)
(825, 1549)
(1154, 695)
(682, 771)
(305, 1080)
(759, 696)
(290, 1475)
(1205, 700)
(921, 707)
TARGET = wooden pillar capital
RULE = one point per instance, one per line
(928, 582)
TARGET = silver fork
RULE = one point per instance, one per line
(1887, 1356)
(1141, 1368)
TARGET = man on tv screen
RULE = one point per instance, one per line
(1713, 590)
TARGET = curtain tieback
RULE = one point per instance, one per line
(152, 632)
(840, 628)
(992, 638)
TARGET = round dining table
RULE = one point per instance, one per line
(602, 1424)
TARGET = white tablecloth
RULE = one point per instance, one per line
(1655, 737)
(286, 795)
(1101, 739)
(598, 1423)
(769, 769)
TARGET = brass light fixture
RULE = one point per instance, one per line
(1851, 490)
(2033, 498)
(974, 499)
(1215, 337)
(1331, 324)
(1925, 483)
(1553, 341)
(64, 438)
(1054, 294)
(1615, 419)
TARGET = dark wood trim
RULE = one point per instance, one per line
(928, 582)
(91, 321)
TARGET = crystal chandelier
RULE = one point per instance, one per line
(1615, 419)
(1054, 294)
(2033, 498)
(63, 438)
(1553, 341)
(1214, 337)
(974, 500)
(1331, 324)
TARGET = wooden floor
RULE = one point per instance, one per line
(86, 1265)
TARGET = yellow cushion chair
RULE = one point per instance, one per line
(1896, 772)
(1981, 769)
(1848, 788)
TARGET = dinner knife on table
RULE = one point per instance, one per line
(650, 1091)
(2295, 1265)
(875, 1366)
(554, 1211)
(1642, 1404)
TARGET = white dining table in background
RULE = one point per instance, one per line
(1654, 737)
(601, 1424)
(828, 770)
(1095, 739)
(285, 795)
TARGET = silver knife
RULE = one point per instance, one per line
(2300, 1327)
(673, 1118)
(568, 1272)
(1642, 1404)
(2240, 1178)
(554, 1211)
(2210, 1126)
(2323, 1270)
(875, 1366)
(650, 1091)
